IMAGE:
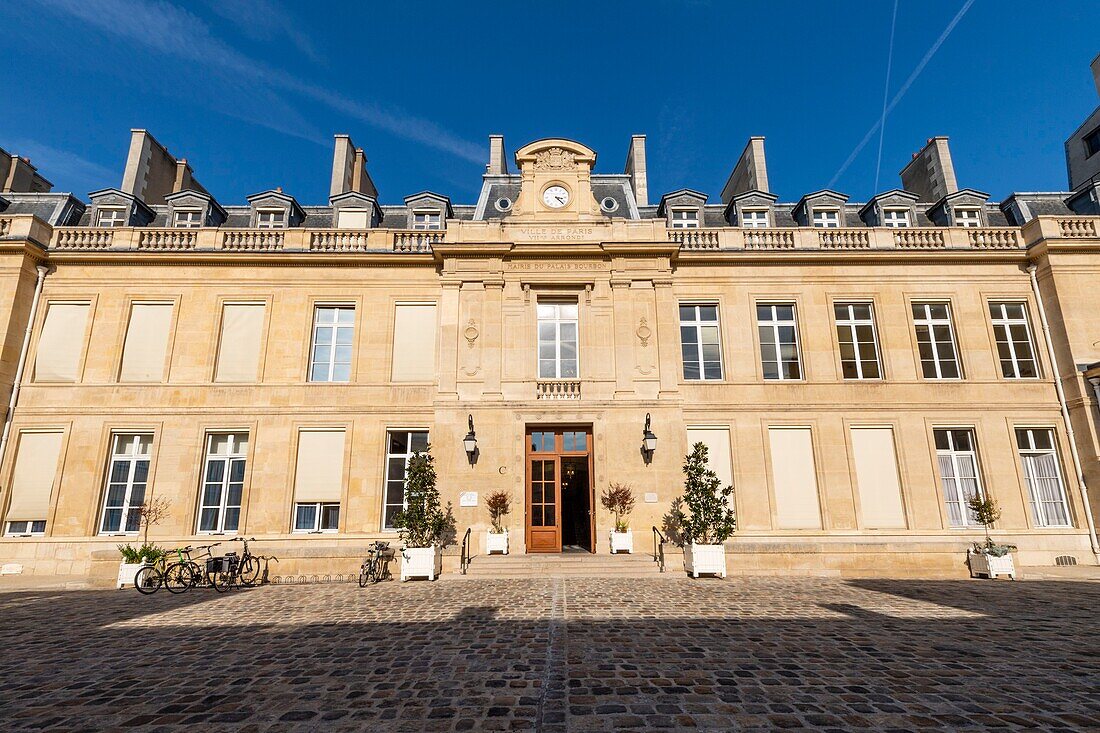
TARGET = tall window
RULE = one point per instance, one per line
(187, 219)
(959, 478)
(855, 332)
(895, 218)
(685, 219)
(426, 220)
(826, 219)
(968, 218)
(127, 481)
(755, 219)
(1014, 346)
(223, 482)
(270, 219)
(939, 358)
(557, 340)
(400, 447)
(333, 331)
(1043, 476)
(700, 343)
(778, 340)
(111, 218)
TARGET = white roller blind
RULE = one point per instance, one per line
(353, 219)
(146, 343)
(59, 346)
(880, 503)
(414, 339)
(796, 502)
(320, 470)
(242, 334)
(719, 455)
(33, 477)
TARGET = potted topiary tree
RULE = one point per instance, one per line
(709, 520)
(496, 540)
(989, 558)
(619, 500)
(422, 522)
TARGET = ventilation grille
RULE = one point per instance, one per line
(1065, 560)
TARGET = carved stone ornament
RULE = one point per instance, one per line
(644, 332)
(555, 159)
(471, 333)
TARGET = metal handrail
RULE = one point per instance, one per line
(659, 548)
(464, 559)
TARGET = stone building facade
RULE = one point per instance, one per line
(857, 370)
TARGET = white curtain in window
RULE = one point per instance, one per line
(1044, 483)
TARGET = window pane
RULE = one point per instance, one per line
(305, 516)
(330, 516)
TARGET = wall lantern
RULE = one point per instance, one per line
(649, 440)
(470, 441)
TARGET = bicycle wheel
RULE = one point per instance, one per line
(222, 581)
(148, 580)
(377, 571)
(364, 575)
(177, 578)
(250, 571)
(198, 575)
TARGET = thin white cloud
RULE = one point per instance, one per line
(168, 29)
(61, 166)
(264, 20)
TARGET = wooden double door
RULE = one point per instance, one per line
(560, 498)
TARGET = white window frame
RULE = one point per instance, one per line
(968, 217)
(826, 218)
(929, 321)
(755, 218)
(954, 491)
(338, 329)
(851, 323)
(432, 219)
(237, 455)
(892, 220)
(271, 218)
(124, 449)
(319, 512)
(28, 530)
(187, 218)
(558, 321)
(117, 218)
(773, 325)
(1030, 454)
(696, 324)
(1003, 323)
(406, 456)
(685, 219)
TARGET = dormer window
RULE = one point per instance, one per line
(754, 218)
(685, 219)
(187, 219)
(426, 220)
(895, 218)
(968, 218)
(111, 217)
(826, 218)
(1092, 143)
(270, 219)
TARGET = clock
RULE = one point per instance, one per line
(555, 196)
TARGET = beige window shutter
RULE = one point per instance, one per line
(146, 345)
(319, 475)
(33, 478)
(877, 478)
(719, 456)
(795, 480)
(59, 346)
(241, 339)
(414, 340)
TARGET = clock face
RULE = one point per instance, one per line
(555, 197)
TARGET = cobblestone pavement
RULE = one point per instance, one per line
(585, 654)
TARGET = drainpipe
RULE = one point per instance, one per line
(10, 414)
(1065, 412)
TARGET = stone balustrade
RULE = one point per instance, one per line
(156, 239)
(861, 238)
(558, 389)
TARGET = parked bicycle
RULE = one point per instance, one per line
(176, 576)
(187, 572)
(377, 565)
(232, 569)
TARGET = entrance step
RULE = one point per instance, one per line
(567, 565)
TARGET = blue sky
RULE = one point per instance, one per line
(251, 91)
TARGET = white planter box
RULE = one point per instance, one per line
(622, 542)
(127, 571)
(705, 559)
(990, 566)
(421, 562)
(495, 542)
